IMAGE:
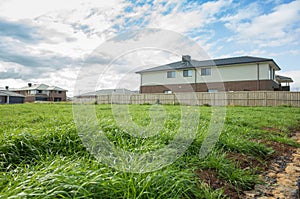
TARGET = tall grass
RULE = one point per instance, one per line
(42, 156)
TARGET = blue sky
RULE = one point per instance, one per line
(48, 41)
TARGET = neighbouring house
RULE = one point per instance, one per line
(244, 73)
(42, 92)
(9, 97)
(284, 82)
(107, 92)
(103, 94)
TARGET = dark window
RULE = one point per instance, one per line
(187, 73)
(205, 71)
(57, 99)
(41, 99)
(59, 92)
(39, 91)
(171, 74)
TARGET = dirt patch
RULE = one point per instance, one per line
(210, 177)
(280, 149)
(283, 173)
(276, 171)
(246, 161)
(294, 131)
(271, 129)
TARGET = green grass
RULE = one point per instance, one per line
(42, 156)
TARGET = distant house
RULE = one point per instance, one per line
(107, 92)
(9, 97)
(229, 74)
(42, 92)
(284, 82)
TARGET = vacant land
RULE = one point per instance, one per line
(42, 156)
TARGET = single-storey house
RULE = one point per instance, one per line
(243, 73)
(42, 92)
(9, 97)
(107, 92)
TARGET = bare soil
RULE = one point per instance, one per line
(272, 171)
(210, 177)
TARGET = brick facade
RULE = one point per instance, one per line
(29, 98)
(2, 99)
(266, 85)
(57, 96)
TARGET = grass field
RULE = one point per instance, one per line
(42, 156)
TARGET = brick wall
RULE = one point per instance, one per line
(265, 85)
(55, 96)
(2, 99)
(29, 98)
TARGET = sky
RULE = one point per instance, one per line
(54, 42)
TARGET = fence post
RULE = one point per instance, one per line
(248, 100)
(174, 99)
(266, 96)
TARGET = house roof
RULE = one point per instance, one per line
(10, 93)
(39, 87)
(283, 79)
(213, 62)
(109, 91)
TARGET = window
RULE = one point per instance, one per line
(187, 73)
(32, 92)
(205, 71)
(167, 92)
(171, 74)
(41, 99)
(212, 90)
(271, 72)
(57, 99)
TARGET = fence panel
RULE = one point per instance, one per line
(239, 98)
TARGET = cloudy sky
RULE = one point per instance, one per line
(50, 41)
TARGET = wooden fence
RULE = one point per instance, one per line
(240, 98)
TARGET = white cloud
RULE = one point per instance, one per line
(12, 83)
(70, 28)
(19, 9)
(64, 78)
(273, 29)
(181, 21)
(250, 11)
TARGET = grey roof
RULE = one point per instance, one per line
(39, 87)
(109, 91)
(213, 62)
(281, 78)
(10, 93)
